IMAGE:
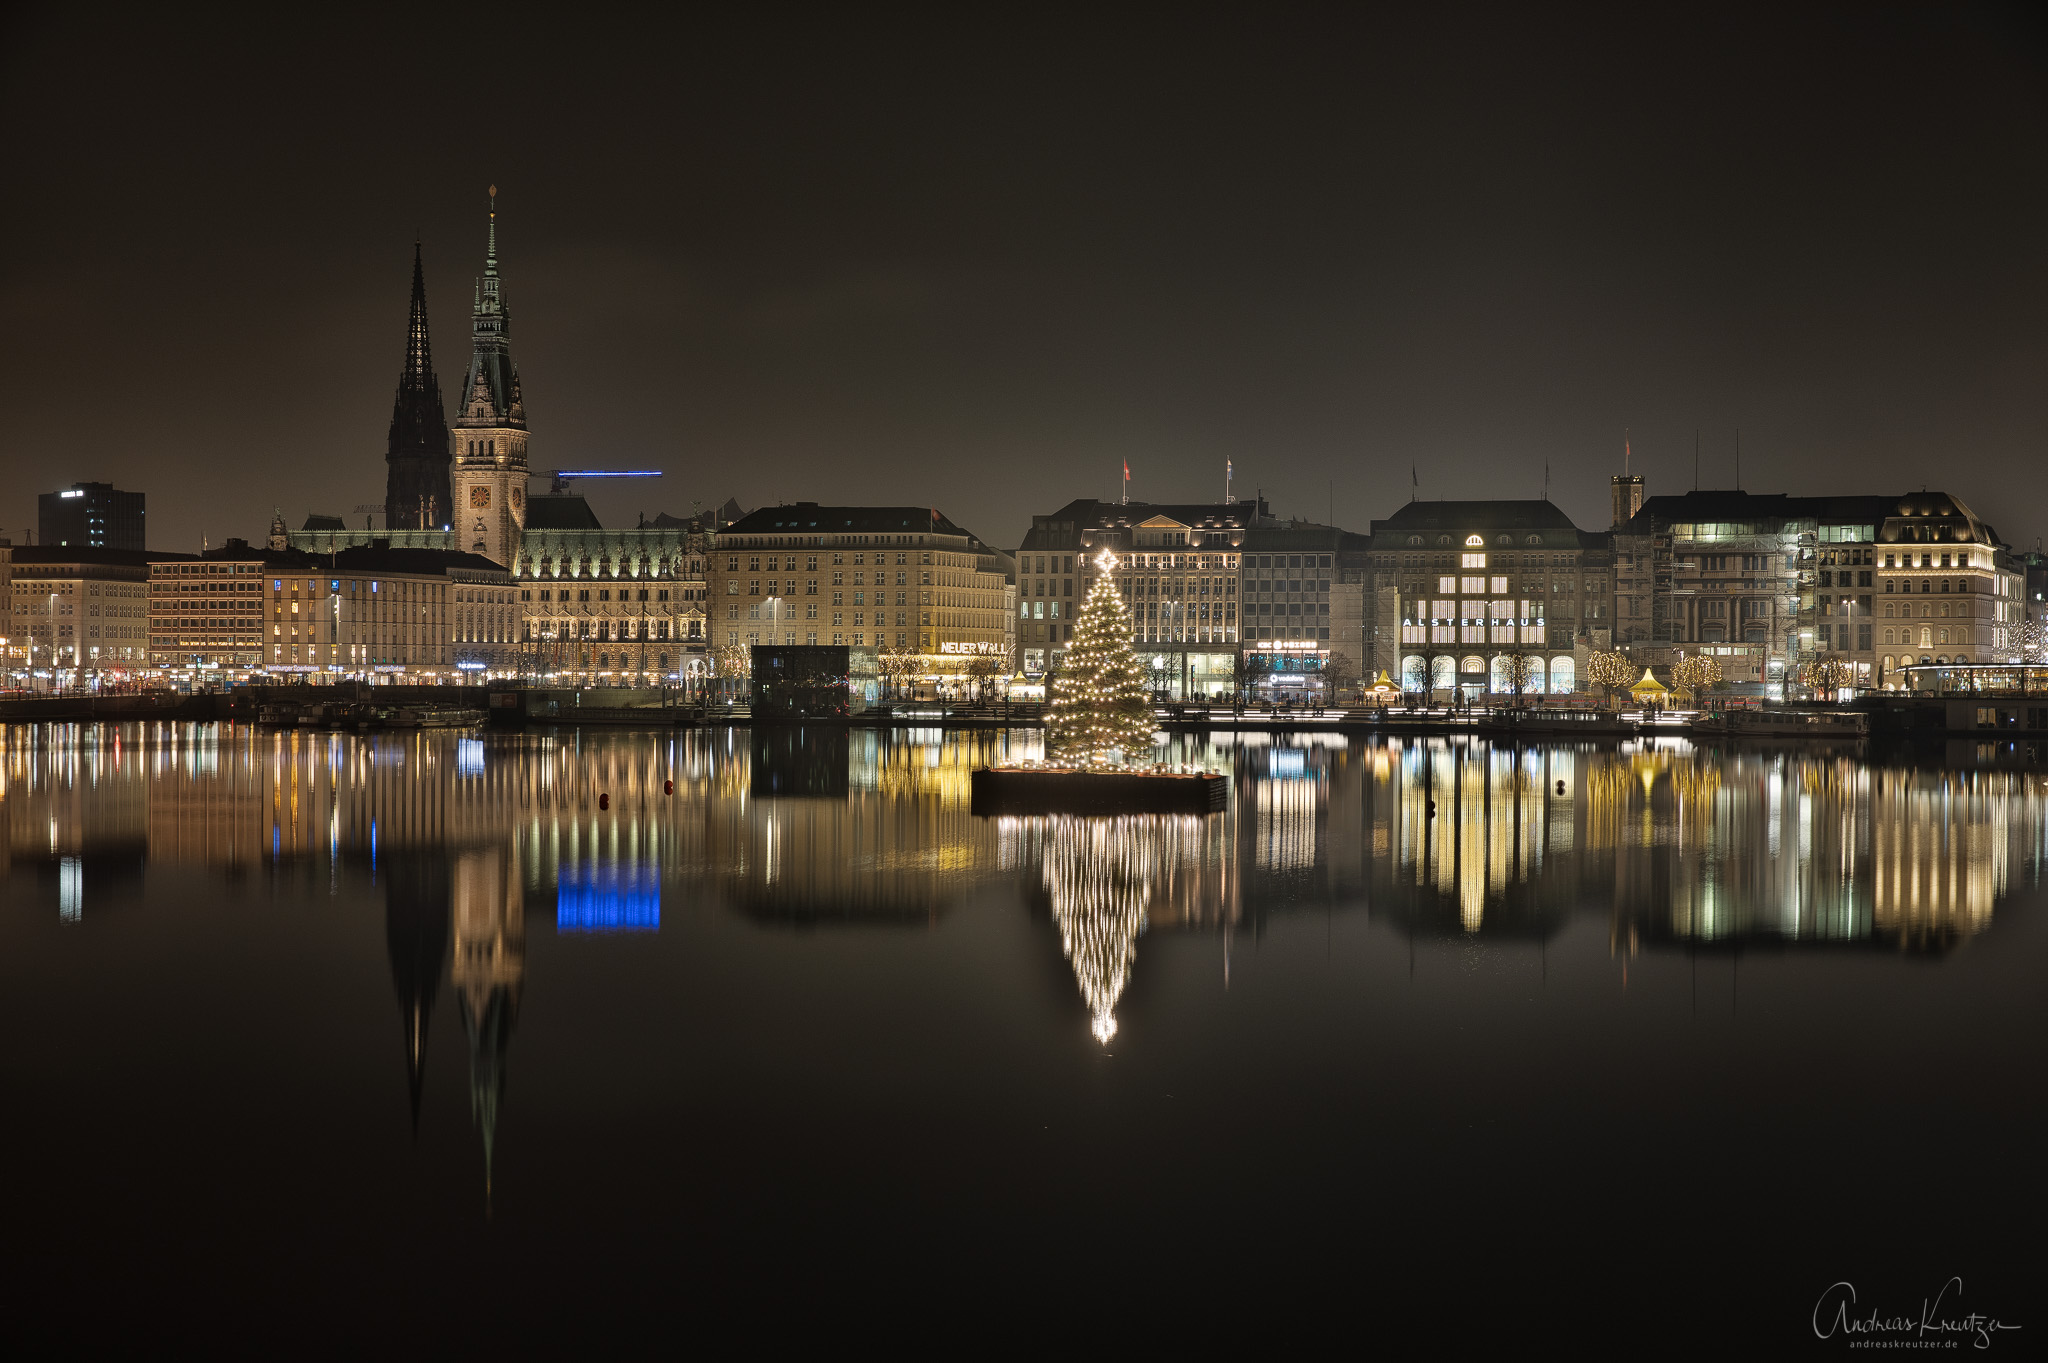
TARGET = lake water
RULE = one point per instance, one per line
(435, 1042)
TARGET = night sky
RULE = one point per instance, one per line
(977, 261)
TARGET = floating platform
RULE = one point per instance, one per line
(1040, 790)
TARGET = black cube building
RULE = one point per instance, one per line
(91, 516)
(812, 681)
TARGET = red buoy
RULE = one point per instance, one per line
(604, 801)
(668, 787)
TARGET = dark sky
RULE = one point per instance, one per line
(976, 261)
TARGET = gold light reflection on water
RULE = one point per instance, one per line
(1670, 842)
(1684, 845)
(487, 970)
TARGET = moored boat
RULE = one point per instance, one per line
(1819, 724)
(1554, 720)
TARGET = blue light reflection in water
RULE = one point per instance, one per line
(608, 896)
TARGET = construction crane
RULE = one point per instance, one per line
(560, 486)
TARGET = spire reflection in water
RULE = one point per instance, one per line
(416, 935)
(489, 967)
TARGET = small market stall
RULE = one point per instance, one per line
(1649, 692)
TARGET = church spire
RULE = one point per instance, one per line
(490, 363)
(416, 448)
(489, 430)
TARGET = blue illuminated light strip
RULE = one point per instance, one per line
(608, 897)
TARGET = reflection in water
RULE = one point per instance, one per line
(608, 897)
(490, 964)
(1662, 845)
(1686, 846)
(416, 934)
(1101, 878)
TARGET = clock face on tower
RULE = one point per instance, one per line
(479, 496)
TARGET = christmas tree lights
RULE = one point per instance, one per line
(1100, 712)
(1101, 875)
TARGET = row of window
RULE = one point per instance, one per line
(732, 562)
(604, 594)
(1901, 587)
(1288, 632)
(1416, 562)
(1475, 633)
(858, 639)
(611, 629)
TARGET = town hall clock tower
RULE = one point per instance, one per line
(488, 480)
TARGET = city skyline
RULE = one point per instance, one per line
(1114, 672)
(1503, 302)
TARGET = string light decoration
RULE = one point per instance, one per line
(1101, 875)
(1100, 710)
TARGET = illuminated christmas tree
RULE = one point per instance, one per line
(1100, 704)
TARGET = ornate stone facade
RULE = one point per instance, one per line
(489, 430)
(619, 606)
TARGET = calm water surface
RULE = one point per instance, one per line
(442, 1043)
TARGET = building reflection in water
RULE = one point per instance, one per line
(416, 935)
(1667, 844)
(1685, 846)
(74, 812)
(488, 968)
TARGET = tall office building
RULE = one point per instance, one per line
(91, 516)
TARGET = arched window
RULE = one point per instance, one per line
(1498, 681)
(1413, 673)
(1563, 675)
